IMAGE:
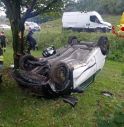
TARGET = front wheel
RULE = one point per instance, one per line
(60, 78)
(25, 64)
(104, 45)
(104, 30)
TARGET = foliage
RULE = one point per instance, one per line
(122, 72)
(71, 6)
(103, 6)
(116, 49)
(59, 38)
(31, 8)
(110, 113)
(51, 34)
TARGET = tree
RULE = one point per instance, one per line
(103, 6)
(71, 6)
(18, 11)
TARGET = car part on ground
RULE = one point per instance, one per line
(106, 93)
(71, 69)
(71, 100)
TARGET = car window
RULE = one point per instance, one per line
(94, 19)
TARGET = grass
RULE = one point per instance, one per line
(52, 34)
(114, 20)
(19, 108)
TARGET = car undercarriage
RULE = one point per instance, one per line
(66, 70)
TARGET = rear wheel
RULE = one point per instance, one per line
(72, 40)
(98, 30)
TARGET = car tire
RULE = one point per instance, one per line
(104, 45)
(59, 76)
(24, 62)
(72, 40)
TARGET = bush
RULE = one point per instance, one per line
(59, 39)
(116, 49)
(122, 72)
(110, 113)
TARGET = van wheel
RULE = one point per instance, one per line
(108, 30)
(104, 45)
(104, 30)
(98, 30)
(72, 40)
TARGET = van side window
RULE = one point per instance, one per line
(94, 19)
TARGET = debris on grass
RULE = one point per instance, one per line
(106, 93)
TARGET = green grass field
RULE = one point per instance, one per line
(19, 108)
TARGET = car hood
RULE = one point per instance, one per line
(107, 24)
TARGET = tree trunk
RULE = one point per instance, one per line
(18, 40)
(17, 26)
(15, 32)
(22, 29)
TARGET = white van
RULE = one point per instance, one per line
(85, 21)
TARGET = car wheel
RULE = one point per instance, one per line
(72, 40)
(104, 45)
(59, 76)
(25, 64)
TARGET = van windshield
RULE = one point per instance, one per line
(94, 19)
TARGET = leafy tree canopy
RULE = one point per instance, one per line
(102, 6)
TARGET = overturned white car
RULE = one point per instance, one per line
(67, 70)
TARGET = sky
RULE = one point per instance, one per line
(2, 12)
(75, 0)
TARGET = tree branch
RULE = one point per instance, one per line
(29, 10)
(35, 13)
